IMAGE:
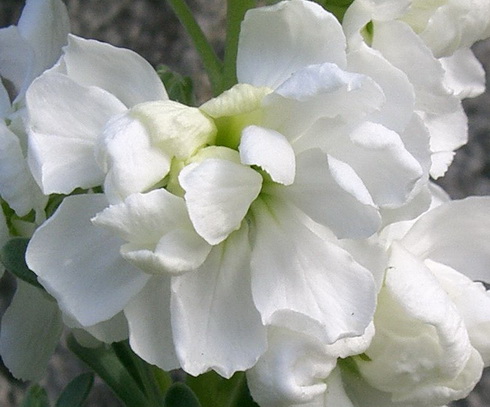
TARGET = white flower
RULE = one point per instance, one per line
(449, 25)
(218, 220)
(27, 50)
(439, 84)
(431, 324)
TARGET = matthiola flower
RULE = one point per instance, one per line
(216, 221)
(26, 50)
(439, 83)
(430, 339)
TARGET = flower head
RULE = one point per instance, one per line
(219, 220)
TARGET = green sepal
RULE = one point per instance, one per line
(215, 391)
(77, 391)
(180, 395)
(104, 361)
(12, 256)
(179, 88)
(35, 396)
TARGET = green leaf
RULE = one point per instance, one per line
(215, 391)
(179, 88)
(77, 391)
(12, 256)
(180, 395)
(105, 363)
(36, 396)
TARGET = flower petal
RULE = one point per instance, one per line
(269, 150)
(216, 325)
(456, 234)
(160, 234)
(292, 371)
(294, 270)
(112, 330)
(218, 194)
(80, 265)
(397, 110)
(16, 57)
(465, 75)
(31, 329)
(392, 179)
(17, 187)
(148, 315)
(296, 33)
(421, 351)
(131, 161)
(65, 119)
(332, 194)
(473, 303)
(119, 71)
(45, 25)
(320, 91)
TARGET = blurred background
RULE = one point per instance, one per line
(150, 28)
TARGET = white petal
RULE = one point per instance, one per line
(80, 265)
(336, 394)
(297, 271)
(65, 119)
(148, 315)
(119, 71)
(292, 372)
(279, 40)
(16, 59)
(112, 330)
(320, 91)
(379, 157)
(331, 193)
(160, 234)
(131, 161)
(216, 325)
(269, 150)
(45, 25)
(397, 110)
(448, 132)
(218, 194)
(17, 187)
(400, 45)
(440, 109)
(177, 129)
(421, 351)
(31, 329)
(457, 234)
(473, 303)
(465, 75)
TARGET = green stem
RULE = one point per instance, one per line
(211, 62)
(141, 371)
(104, 361)
(236, 10)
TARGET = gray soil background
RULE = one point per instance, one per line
(150, 28)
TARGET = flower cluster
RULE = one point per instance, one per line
(287, 227)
